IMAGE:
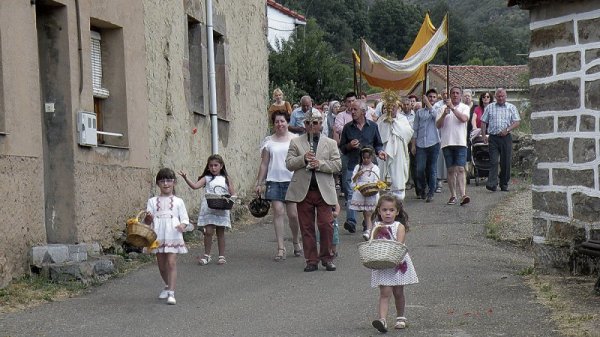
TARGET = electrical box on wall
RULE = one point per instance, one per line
(87, 129)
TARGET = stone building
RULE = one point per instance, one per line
(565, 103)
(139, 67)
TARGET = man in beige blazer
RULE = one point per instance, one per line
(314, 159)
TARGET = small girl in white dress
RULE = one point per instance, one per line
(169, 220)
(365, 172)
(215, 180)
(391, 281)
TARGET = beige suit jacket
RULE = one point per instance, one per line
(329, 163)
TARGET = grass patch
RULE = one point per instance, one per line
(492, 231)
(527, 271)
(34, 290)
(566, 298)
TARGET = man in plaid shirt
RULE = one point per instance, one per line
(498, 120)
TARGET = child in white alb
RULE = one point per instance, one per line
(365, 172)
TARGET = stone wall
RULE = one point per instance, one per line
(100, 187)
(180, 138)
(565, 104)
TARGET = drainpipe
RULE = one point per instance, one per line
(212, 85)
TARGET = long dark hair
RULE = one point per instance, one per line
(223, 172)
(481, 98)
(368, 149)
(402, 216)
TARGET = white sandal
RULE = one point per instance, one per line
(204, 260)
(221, 260)
(400, 322)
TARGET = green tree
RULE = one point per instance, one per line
(393, 26)
(480, 54)
(308, 64)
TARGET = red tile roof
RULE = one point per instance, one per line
(285, 10)
(508, 77)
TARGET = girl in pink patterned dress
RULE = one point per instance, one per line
(169, 221)
(394, 220)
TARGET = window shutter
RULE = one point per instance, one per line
(96, 52)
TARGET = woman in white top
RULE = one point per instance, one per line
(273, 173)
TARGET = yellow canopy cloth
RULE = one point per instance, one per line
(407, 73)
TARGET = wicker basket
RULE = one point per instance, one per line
(138, 233)
(381, 254)
(219, 201)
(368, 189)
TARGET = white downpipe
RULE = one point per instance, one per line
(212, 85)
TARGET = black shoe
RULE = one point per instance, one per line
(429, 198)
(350, 227)
(504, 189)
(311, 267)
(329, 266)
(490, 188)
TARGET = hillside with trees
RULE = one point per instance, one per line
(482, 32)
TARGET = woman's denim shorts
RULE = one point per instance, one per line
(276, 190)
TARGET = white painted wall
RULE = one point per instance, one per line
(281, 26)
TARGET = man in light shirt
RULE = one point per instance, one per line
(452, 123)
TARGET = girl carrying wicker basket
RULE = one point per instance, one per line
(215, 180)
(392, 224)
(169, 220)
(366, 173)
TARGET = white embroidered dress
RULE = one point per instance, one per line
(402, 275)
(359, 202)
(209, 216)
(168, 212)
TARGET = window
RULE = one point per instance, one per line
(108, 84)
(221, 77)
(193, 75)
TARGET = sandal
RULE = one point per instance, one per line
(400, 322)
(281, 257)
(298, 252)
(221, 261)
(380, 325)
(204, 260)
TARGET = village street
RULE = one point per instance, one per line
(469, 286)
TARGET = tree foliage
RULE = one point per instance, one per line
(393, 27)
(306, 64)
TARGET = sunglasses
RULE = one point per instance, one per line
(313, 122)
(166, 181)
(486, 96)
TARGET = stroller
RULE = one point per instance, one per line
(480, 157)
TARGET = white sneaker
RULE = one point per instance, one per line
(163, 294)
(366, 235)
(171, 299)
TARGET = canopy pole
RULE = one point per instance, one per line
(360, 69)
(354, 65)
(425, 79)
(448, 55)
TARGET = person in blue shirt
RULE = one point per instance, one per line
(426, 146)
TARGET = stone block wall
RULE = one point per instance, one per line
(565, 103)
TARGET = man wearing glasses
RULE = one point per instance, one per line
(499, 119)
(314, 159)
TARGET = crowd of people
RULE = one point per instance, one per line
(371, 154)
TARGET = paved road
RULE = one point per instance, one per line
(469, 286)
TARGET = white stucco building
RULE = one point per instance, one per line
(282, 23)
